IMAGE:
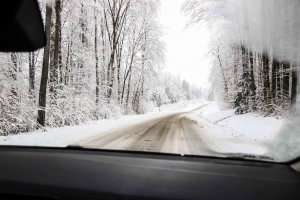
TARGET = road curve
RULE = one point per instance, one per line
(174, 133)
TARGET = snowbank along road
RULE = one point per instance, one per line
(173, 133)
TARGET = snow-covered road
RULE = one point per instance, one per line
(192, 132)
(174, 133)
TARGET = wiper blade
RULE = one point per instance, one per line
(75, 147)
(249, 156)
(228, 155)
(78, 147)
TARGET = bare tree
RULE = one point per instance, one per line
(44, 77)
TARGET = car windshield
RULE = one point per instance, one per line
(214, 78)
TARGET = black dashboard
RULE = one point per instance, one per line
(50, 173)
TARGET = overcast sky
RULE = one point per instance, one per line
(186, 47)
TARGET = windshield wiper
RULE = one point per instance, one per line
(74, 147)
(227, 155)
(249, 156)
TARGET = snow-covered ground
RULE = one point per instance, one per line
(180, 106)
(250, 133)
(250, 126)
(64, 136)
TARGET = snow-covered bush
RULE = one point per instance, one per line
(111, 110)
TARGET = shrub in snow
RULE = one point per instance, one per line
(111, 110)
(145, 106)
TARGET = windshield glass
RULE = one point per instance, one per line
(190, 77)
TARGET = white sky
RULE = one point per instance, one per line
(186, 53)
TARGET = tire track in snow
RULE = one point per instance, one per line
(174, 133)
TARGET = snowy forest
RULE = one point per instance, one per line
(103, 59)
(255, 58)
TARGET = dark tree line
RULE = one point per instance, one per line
(255, 52)
(264, 84)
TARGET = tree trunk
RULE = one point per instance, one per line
(251, 72)
(31, 72)
(67, 69)
(103, 76)
(111, 73)
(275, 73)
(128, 91)
(96, 60)
(126, 75)
(286, 79)
(14, 74)
(57, 46)
(119, 59)
(44, 77)
(265, 77)
(123, 89)
(15, 70)
(294, 89)
(223, 74)
(116, 11)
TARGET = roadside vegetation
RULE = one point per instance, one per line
(253, 52)
(103, 59)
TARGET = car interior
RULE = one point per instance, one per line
(77, 173)
(45, 173)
